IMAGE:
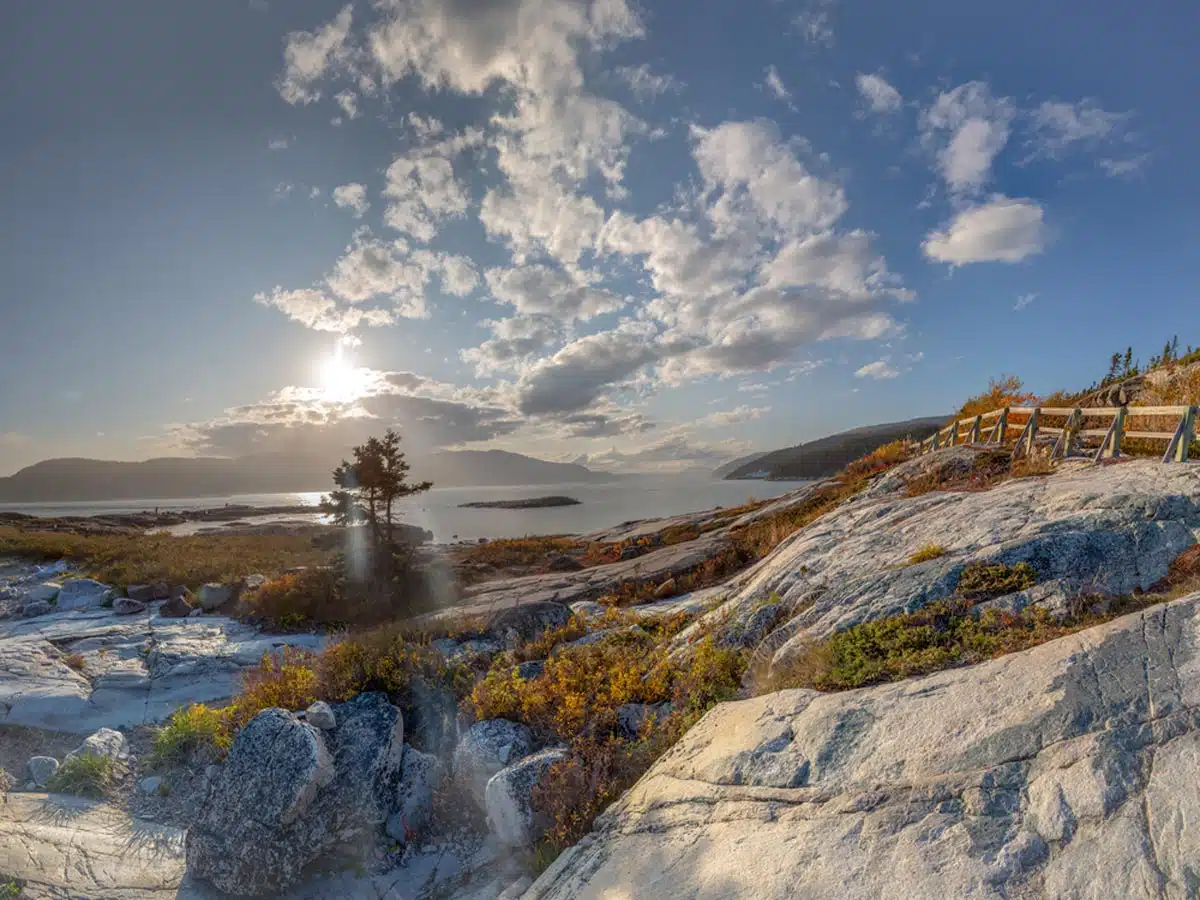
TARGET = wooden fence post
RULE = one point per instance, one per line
(954, 434)
(976, 430)
(1177, 450)
(1110, 447)
(1000, 431)
(1065, 445)
(1032, 429)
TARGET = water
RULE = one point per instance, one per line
(602, 505)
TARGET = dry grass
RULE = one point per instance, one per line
(926, 553)
(988, 468)
(1033, 465)
(146, 559)
(195, 731)
(86, 775)
(526, 551)
(75, 661)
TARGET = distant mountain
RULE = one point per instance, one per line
(723, 471)
(826, 456)
(65, 480)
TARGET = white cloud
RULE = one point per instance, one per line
(969, 127)
(514, 342)
(1058, 126)
(315, 309)
(537, 215)
(880, 370)
(1001, 230)
(422, 189)
(880, 96)
(645, 84)
(1023, 301)
(348, 101)
(309, 55)
(278, 143)
(776, 86)
(372, 268)
(758, 173)
(1124, 168)
(841, 263)
(352, 196)
(540, 290)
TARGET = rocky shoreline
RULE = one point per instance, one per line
(1045, 773)
(529, 503)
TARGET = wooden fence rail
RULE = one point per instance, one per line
(982, 429)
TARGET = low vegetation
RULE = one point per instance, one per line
(145, 559)
(9, 890)
(926, 553)
(85, 775)
(507, 553)
(75, 661)
(195, 731)
(1007, 390)
(982, 581)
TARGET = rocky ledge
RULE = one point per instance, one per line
(1065, 771)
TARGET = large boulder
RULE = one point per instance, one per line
(420, 778)
(484, 749)
(176, 608)
(127, 606)
(251, 838)
(35, 608)
(41, 593)
(509, 798)
(520, 624)
(332, 800)
(142, 593)
(1064, 771)
(82, 593)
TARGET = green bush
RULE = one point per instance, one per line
(191, 730)
(86, 775)
(980, 581)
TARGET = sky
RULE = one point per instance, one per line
(641, 236)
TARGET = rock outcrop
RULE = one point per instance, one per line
(290, 795)
(509, 798)
(1109, 529)
(486, 748)
(1064, 771)
(138, 668)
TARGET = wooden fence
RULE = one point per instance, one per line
(995, 426)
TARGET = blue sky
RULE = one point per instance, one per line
(646, 236)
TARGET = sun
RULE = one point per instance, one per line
(341, 381)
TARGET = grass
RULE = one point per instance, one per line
(86, 775)
(146, 559)
(191, 731)
(988, 468)
(526, 551)
(10, 890)
(926, 553)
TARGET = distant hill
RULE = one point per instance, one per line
(735, 464)
(65, 480)
(826, 456)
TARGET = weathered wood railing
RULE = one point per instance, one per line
(994, 427)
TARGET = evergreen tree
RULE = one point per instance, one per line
(1114, 366)
(1128, 371)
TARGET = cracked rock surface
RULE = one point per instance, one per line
(137, 669)
(1065, 771)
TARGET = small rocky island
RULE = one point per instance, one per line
(526, 503)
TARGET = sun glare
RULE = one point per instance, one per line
(340, 379)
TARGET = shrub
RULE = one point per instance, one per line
(1032, 465)
(988, 468)
(190, 731)
(1007, 390)
(880, 459)
(296, 600)
(75, 661)
(10, 890)
(383, 660)
(527, 551)
(86, 775)
(926, 553)
(287, 681)
(980, 581)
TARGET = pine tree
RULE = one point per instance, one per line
(368, 488)
(1114, 366)
(1128, 371)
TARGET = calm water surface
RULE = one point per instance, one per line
(602, 505)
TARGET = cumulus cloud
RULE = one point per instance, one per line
(310, 55)
(317, 310)
(842, 263)
(371, 268)
(881, 97)
(423, 190)
(352, 197)
(968, 127)
(1001, 230)
(645, 84)
(538, 289)
(303, 421)
(514, 342)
